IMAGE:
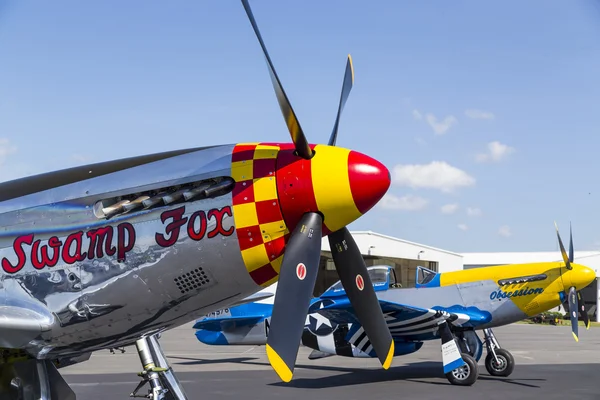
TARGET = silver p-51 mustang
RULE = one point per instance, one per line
(112, 254)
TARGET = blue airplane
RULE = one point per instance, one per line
(336, 332)
(450, 306)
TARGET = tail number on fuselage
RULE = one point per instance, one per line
(101, 240)
(218, 313)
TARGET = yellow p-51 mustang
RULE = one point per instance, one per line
(450, 306)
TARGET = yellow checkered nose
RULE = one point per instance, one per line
(259, 223)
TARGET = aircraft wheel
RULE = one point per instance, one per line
(465, 375)
(504, 367)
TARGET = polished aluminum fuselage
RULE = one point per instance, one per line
(141, 280)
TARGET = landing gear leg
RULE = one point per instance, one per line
(469, 342)
(460, 368)
(157, 372)
(33, 380)
(498, 362)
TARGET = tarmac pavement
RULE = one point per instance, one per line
(549, 365)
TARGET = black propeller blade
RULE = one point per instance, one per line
(575, 299)
(302, 147)
(355, 278)
(563, 252)
(582, 311)
(573, 313)
(580, 301)
(346, 87)
(295, 286)
(571, 254)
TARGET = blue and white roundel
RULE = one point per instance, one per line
(318, 324)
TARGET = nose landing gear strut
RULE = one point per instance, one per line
(157, 372)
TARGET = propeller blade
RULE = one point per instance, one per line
(573, 312)
(580, 301)
(355, 278)
(294, 290)
(582, 311)
(300, 142)
(562, 250)
(346, 88)
(571, 254)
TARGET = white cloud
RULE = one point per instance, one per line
(6, 149)
(406, 203)
(441, 127)
(496, 152)
(449, 208)
(473, 212)
(504, 231)
(463, 227)
(479, 114)
(435, 175)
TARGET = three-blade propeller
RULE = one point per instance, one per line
(300, 264)
(575, 299)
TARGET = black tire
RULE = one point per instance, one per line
(465, 375)
(507, 363)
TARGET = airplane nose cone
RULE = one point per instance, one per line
(339, 183)
(369, 180)
(583, 276)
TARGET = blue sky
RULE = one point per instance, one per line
(486, 113)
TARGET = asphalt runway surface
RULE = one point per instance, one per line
(549, 365)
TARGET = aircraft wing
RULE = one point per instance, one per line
(224, 324)
(406, 322)
(20, 325)
(252, 298)
(234, 317)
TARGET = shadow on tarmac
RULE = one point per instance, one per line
(415, 372)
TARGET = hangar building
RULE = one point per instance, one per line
(378, 249)
(405, 256)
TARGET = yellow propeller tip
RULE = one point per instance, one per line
(279, 365)
(388, 359)
(351, 67)
(575, 336)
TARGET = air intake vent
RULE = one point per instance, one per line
(522, 279)
(192, 280)
(166, 196)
